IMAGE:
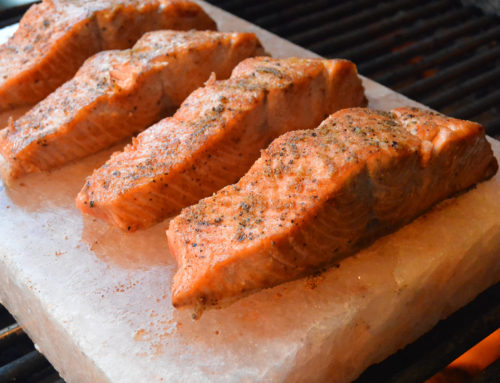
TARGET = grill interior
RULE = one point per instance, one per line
(437, 52)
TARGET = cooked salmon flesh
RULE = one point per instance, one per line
(55, 37)
(316, 196)
(116, 94)
(216, 135)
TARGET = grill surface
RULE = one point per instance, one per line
(438, 52)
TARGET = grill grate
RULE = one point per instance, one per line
(438, 52)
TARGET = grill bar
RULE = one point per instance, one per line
(259, 8)
(52, 379)
(442, 99)
(23, 367)
(441, 56)
(347, 23)
(234, 5)
(479, 106)
(320, 17)
(430, 43)
(10, 335)
(48, 376)
(336, 42)
(272, 20)
(372, 48)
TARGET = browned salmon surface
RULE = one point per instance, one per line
(118, 93)
(216, 135)
(55, 37)
(314, 197)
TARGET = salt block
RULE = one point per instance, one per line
(96, 301)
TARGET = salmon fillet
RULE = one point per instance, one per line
(116, 94)
(216, 135)
(55, 37)
(314, 197)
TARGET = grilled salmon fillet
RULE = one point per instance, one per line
(216, 135)
(118, 93)
(55, 37)
(314, 197)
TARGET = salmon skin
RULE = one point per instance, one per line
(216, 135)
(118, 93)
(55, 37)
(316, 196)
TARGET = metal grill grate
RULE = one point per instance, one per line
(438, 52)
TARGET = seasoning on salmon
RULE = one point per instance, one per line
(55, 37)
(216, 135)
(316, 196)
(118, 93)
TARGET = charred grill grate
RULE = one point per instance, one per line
(438, 52)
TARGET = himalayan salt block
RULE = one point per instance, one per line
(97, 301)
